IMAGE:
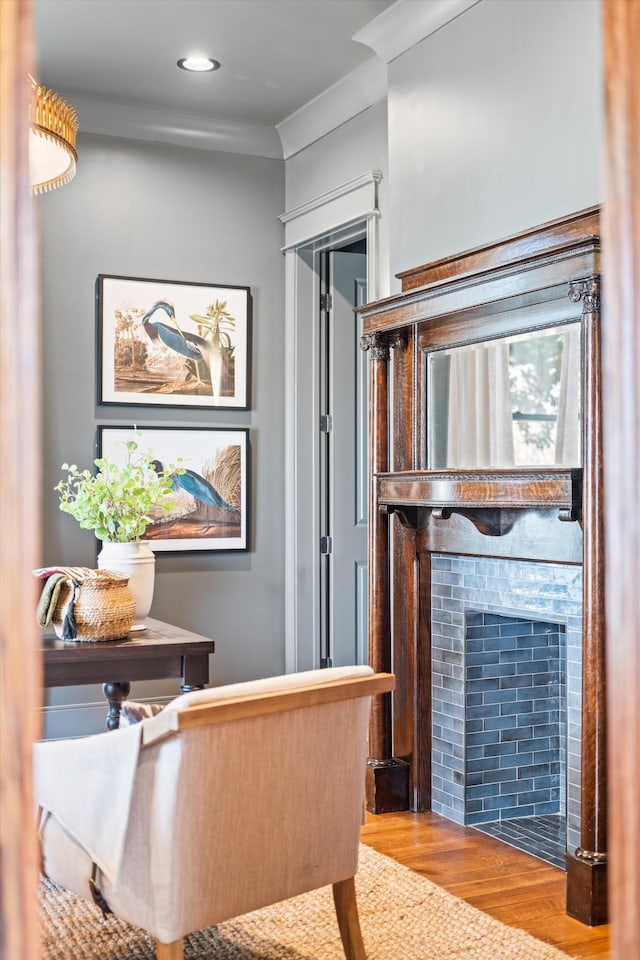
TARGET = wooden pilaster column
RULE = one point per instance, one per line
(387, 777)
(587, 866)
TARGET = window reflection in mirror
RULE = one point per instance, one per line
(511, 402)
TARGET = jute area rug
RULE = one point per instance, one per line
(403, 917)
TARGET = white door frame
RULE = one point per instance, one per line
(330, 220)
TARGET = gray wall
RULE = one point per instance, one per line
(339, 156)
(495, 125)
(346, 153)
(156, 211)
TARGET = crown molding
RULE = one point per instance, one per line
(204, 133)
(407, 22)
(361, 88)
(395, 30)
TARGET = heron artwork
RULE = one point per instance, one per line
(196, 349)
(202, 491)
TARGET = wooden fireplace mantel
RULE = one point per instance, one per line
(545, 277)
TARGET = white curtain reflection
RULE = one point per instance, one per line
(569, 401)
(480, 430)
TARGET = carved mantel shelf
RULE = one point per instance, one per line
(487, 498)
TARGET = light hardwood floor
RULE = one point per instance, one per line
(511, 886)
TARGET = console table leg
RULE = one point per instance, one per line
(195, 673)
(115, 694)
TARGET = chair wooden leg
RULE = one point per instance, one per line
(169, 951)
(344, 897)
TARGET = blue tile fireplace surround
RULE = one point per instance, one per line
(486, 548)
(506, 696)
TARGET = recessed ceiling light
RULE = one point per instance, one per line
(198, 64)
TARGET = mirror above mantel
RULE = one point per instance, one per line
(507, 402)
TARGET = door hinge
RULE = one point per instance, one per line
(326, 301)
(326, 545)
(326, 423)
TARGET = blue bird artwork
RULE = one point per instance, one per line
(198, 351)
(199, 488)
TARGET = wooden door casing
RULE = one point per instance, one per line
(621, 410)
(20, 672)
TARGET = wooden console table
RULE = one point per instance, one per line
(162, 651)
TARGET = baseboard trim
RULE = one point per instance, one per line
(71, 720)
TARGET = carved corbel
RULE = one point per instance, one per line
(407, 515)
(570, 514)
(490, 521)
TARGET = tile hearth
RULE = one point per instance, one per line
(543, 837)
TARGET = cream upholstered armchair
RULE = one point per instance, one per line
(228, 800)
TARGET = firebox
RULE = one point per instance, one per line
(506, 691)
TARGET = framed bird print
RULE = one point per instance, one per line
(172, 344)
(208, 507)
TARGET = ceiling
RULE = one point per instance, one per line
(275, 55)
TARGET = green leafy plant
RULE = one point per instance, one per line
(116, 501)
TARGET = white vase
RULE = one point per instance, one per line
(138, 561)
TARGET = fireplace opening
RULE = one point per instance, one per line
(505, 695)
(515, 711)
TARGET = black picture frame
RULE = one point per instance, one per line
(166, 343)
(216, 461)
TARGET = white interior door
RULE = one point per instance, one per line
(343, 463)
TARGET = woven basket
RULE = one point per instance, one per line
(104, 607)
